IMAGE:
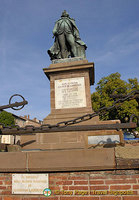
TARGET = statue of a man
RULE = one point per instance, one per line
(67, 39)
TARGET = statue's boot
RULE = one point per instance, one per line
(73, 51)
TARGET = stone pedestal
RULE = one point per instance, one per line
(70, 90)
(71, 98)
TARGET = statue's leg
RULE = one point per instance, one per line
(71, 41)
(62, 44)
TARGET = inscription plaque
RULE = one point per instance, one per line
(103, 139)
(29, 183)
(70, 93)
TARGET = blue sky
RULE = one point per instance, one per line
(110, 28)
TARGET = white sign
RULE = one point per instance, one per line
(70, 93)
(7, 139)
(103, 139)
(29, 183)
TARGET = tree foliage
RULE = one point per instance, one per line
(101, 98)
(6, 118)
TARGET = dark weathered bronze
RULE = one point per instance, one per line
(15, 105)
(67, 39)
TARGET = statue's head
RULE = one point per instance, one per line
(65, 14)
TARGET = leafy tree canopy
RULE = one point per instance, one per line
(6, 118)
(101, 98)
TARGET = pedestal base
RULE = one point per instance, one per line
(70, 98)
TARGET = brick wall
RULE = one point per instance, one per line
(92, 185)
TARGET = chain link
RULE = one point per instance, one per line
(80, 119)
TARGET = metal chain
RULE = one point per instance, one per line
(16, 105)
(80, 119)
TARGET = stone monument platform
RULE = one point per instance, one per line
(70, 81)
(70, 89)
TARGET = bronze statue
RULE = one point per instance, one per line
(67, 39)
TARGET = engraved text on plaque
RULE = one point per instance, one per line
(29, 183)
(70, 93)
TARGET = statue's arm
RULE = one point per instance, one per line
(76, 33)
(55, 29)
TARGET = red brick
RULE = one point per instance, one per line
(77, 178)
(12, 198)
(8, 182)
(26, 198)
(131, 197)
(135, 176)
(54, 188)
(31, 198)
(9, 187)
(48, 198)
(57, 178)
(119, 176)
(51, 182)
(5, 177)
(80, 182)
(2, 178)
(78, 187)
(2, 187)
(120, 181)
(5, 192)
(98, 177)
(110, 198)
(135, 192)
(96, 182)
(135, 186)
(99, 187)
(120, 187)
(79, 198)
(96, 172)
(65, 187)
(7, 198)
(64, 183)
